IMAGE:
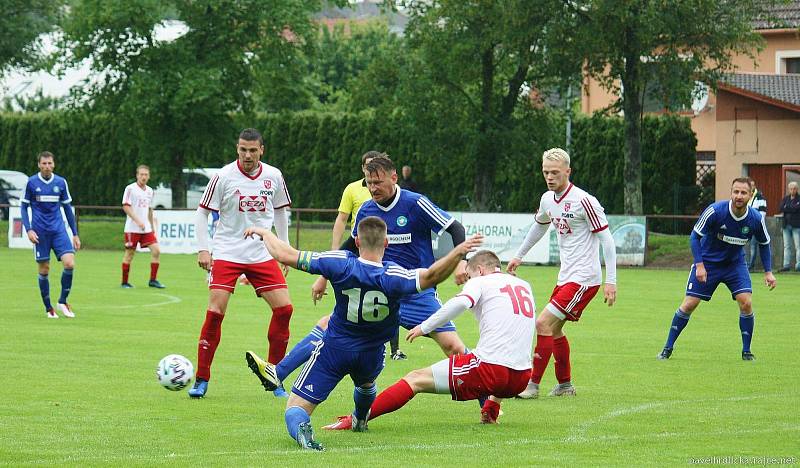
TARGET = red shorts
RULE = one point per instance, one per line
(571, 298)
(471, 379)
(134, 238)
(264, 276)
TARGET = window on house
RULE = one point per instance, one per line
(792, 64)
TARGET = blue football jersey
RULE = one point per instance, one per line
(367, 297)
(724, 235)
(409, 219)
(46, 198)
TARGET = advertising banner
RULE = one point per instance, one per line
(504, 233)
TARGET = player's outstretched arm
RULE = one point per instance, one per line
(280, 251)
(535, 233)
(443, 267)
(450, 310)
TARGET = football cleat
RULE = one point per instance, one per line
(280, 392)
(305, 438)
(51, 313)
(399, 356)
(126, 286)
(531, 392)
(156, 284)
(359, 425)
(748, 356)
(263, 370)
(66, 310)
(560, 390)
(344, 423)
(199, 388)
(488, 418)
(664, 354)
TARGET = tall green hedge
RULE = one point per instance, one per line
(320, 153)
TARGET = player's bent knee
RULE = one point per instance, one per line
(323, 322)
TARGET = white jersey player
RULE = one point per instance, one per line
(245, 193)
(581, 227)
(137, 202)
(500, 365)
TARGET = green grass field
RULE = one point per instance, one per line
(83, 391)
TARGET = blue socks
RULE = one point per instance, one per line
(299, 354)
(746, 326)
(295, 416)
(363, 397)
(66, 285)
(44, 289)
(679, 322)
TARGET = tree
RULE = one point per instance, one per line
(661, 48)
(174, 99)
(469, 76)
(22, 23)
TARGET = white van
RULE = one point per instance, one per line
(195, 180)
(12, 189)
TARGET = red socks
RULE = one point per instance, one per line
(492, 408)
(207, 346)
(126, 268)
(541, 356)
(561, 356)
(278, 333)
(391, 399)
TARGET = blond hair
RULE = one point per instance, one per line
(792, 184)
(556, 154)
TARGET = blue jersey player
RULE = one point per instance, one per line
(368, 291)
(47, 194)
(410, 218)
(718, 241)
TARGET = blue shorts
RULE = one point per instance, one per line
(734, 275)
(58, 241)
(327, 366)
(417, 308)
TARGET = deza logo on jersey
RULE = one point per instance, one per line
(252, 203)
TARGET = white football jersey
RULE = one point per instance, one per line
(505, 309)
(242, 201)
(140, 200)
(576, 216)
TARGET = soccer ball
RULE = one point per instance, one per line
(175, 372)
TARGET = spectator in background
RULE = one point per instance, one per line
(790, 207)
(758, 202)
(408, 183)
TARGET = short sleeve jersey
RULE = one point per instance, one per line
(140, 200)
(724, 235)
(354, 195)
(46, 198)
(505, 309)
(575, 216)
(244, 200)
(367, 297)
(409, 218)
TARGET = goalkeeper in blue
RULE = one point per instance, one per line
(717, 243)
(47, 194)
(368, 292)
